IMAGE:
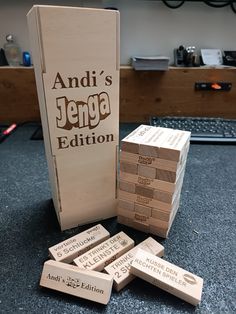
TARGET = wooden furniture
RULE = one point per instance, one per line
(147, 93)
(141, 94)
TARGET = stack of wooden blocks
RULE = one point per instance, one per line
(152, 165)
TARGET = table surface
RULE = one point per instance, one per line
(201, 240)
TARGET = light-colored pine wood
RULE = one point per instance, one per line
(71, 248)
(144, 210)
(120, 267)
(163, 215)
(144, 191)
(145, 171)
(174, 147)
(86, 284)
(167, 276)
(164, 175)
(127, 186)
(125, 213)
(149, 161)
(134, 216)
(104, 253)
(145, 201)
(126, 205)
(77, 76)
(128, 167)
(153, 183)
(132, 141)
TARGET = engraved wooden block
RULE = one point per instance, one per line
(163, 215)
(132, 141)
(104, 253)
(126, 205)
(156, 227)
(130, 222)
(144, 210)
(144, 191)
(76, 66)
(86, 284)
(163, 196)
(146, 171)
(128, 167)
(151, 145)
(141, 226)
(150, 161)
(125, 213)
(165, 175)
(127, 186)
(144, 201)
(125, 221)
(174, 146)
(158, 231)
(141, 218)
(120, 267)
(134, 216)
(152, 183)
(167, 276)
(69, 249)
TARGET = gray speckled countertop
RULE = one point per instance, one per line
(202, 238)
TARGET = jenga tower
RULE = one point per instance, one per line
(152, 165)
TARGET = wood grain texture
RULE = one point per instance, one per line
(119, 269)
(152, 93)
(86, 284)
(18, 95)
(167, 276)
(142, 94)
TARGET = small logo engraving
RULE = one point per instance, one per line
(190, 279)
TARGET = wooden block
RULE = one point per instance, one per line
(127, 186)
(125, 221)
(119, 269)
(141, 226)
(167, 197)
(128, 167)
(144, 210)
(150, 161)
(163, 215)
(134, 216)
(77, 77)
(153, 183)
(165, 175)
(69, 249)
(144, 227)
(156, 142)
(144, 191)
(158, 228)
(125, 213)
(163, 196)
(140, 218)
(160, 214)
(146, 171)
(151, 145)
(144, 201)
(174, 146)
(104, 253)
(86, 284)
(126, 205)
(132, 141)
(167, 276)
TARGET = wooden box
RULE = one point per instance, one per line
(76, 59)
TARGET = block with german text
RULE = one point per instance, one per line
(152, 167)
